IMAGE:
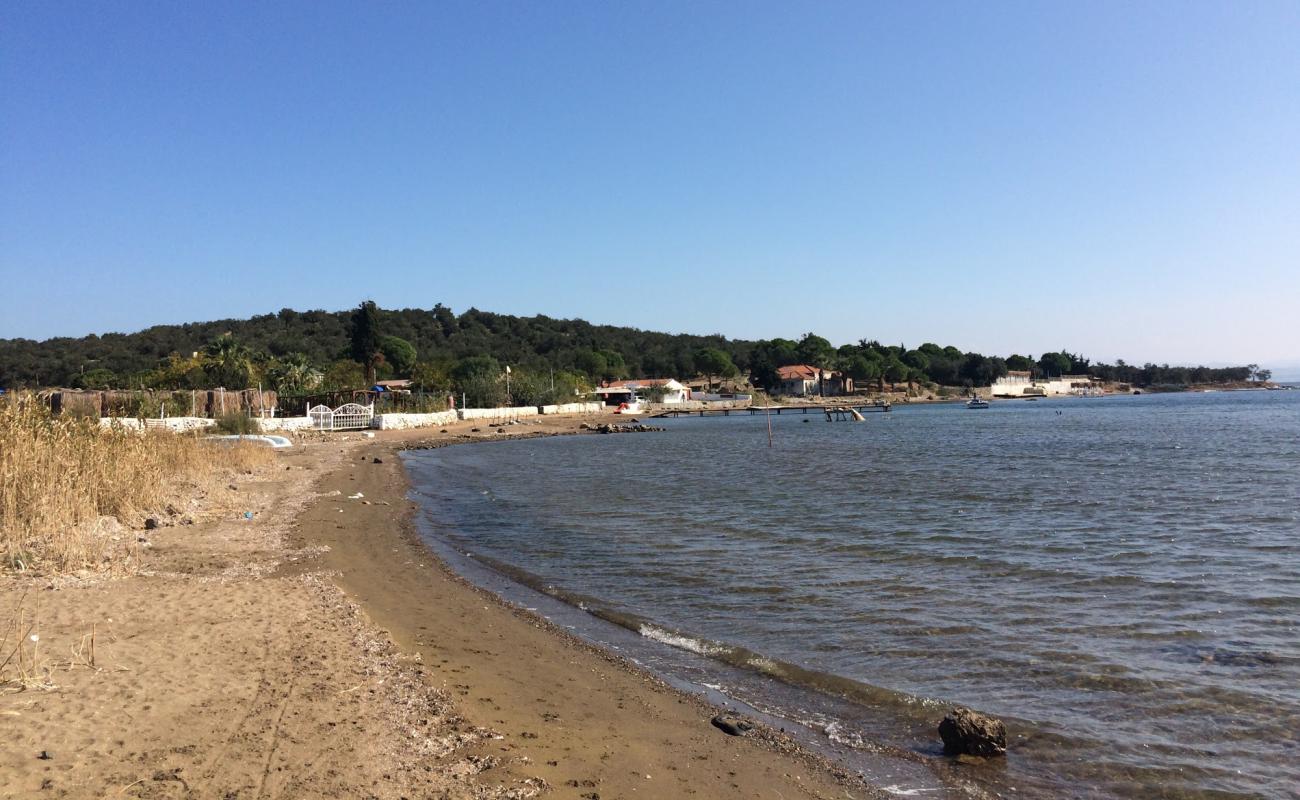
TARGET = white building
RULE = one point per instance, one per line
(1013, 384)
(1020, 384)
(624, 391)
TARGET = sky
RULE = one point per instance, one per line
(1118, 179)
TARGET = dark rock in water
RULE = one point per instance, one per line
(967, 732)
(151, 523)
(1240, 658)
(732, 726)
(377, 461)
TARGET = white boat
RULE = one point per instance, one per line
(633, 407)
(977, 402)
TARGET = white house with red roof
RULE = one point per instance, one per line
(804, 380)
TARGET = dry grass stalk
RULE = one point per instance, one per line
(60, 477)
(83, 653)
(21, 664)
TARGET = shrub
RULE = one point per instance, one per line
(238, 423)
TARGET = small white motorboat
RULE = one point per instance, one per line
(278, 442)
(977, 402)
(633, 407)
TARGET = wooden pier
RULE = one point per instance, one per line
(837, 411)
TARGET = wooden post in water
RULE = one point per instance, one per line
(768, 414)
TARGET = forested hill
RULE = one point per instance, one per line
(323, 337)
(310, 350)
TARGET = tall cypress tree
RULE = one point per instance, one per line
(365, 337)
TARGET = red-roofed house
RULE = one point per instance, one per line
(804, 380)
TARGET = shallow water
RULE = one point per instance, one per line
(1120, 580)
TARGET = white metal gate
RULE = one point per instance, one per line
(352, 416)
(347, 417)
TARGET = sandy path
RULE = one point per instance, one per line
(217, 673)
(236, 667)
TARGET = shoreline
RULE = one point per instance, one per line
(291, 634)
(630, 722)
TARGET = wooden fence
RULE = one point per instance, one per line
(152, 404)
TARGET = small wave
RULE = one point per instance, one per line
(836, 733)
(698, 646)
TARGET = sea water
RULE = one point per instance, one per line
(1117, 578)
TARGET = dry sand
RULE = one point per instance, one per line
(319, 650)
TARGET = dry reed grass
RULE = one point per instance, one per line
(21, 664)
(61, 477)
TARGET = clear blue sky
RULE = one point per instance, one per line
(1122, 179)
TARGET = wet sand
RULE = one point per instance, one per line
(318, 649)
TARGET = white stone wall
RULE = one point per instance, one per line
(1009, 386)
(286, 424)
(497, 414)
(392, 422)
(170, 424)
(200, 423)
(573, 408)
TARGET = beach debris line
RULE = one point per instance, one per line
(967, 732)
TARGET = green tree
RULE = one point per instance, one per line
(1055, 364)
(713, 362)
(815, 351)
(481, 380)
(364, 338)
(399, 354)
(590, 363)
(342, 375)
(97, 379)
(1020, 363)
(431, 376)
(895, 370)
(615, 366)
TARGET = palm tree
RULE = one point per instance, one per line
(295, 373)
(228, 362)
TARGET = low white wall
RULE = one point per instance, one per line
(171, 423)
(497, 414)
(390, 422)
(573, 408)
(200, 423)
(285, 424)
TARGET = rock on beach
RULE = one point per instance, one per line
(967, 732)
(731, 725)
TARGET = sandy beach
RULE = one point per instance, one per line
(294, 639)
